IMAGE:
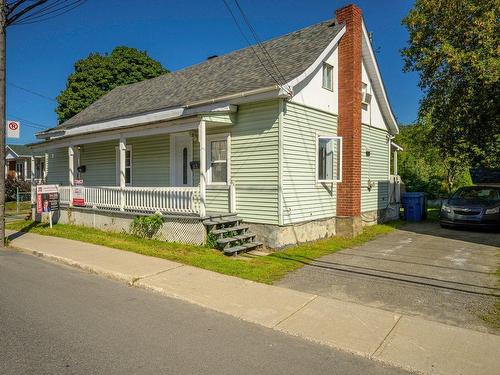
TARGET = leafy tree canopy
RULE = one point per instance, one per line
(98, 74)
(454, 46)
(423, 169)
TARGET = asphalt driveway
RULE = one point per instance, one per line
(421, 269)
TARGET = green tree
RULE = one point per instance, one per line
(98, 74)
(454, 46)
(421, 166)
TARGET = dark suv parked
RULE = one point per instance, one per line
(472, 206)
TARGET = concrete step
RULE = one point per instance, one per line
(237, 228)
(221, 220)
(241, 237)
(234, 250)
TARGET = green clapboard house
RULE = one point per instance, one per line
(282, 143)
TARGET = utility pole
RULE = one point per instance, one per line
(3, 40)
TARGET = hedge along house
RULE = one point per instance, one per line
(296, 155)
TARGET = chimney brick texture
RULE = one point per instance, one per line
(349, 121)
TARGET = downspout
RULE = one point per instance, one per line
(281, 107)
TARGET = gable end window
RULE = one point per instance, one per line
(329, 159)
(327, 76)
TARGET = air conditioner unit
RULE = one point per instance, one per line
(366, 97)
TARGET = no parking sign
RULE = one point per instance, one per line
(13, 129)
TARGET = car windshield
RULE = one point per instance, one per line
(482, 194)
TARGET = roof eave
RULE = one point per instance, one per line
(378, 85)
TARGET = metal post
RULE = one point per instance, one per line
(122, 147)
(203, 167)
(3, 27)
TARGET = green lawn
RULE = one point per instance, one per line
(493, 318)
(11, 208)
(264, 269)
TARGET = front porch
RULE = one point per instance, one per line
(175, 168)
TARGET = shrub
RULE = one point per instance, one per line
(146, 226)
(11, 185)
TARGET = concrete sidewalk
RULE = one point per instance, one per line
(411, 343)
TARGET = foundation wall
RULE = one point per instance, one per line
(175, 228)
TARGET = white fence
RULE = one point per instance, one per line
(184, 200)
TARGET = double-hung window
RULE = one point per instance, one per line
(329, 159)
(128, 165)
(218, 160)
(327, 76)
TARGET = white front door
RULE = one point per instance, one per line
(182, 157)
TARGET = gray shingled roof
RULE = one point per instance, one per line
(23, 150)
(233, 73)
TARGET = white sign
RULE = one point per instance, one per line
(47, 189)
(13, 129)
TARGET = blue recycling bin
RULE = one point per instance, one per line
(414, 206)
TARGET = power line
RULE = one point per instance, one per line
(259, 42)
(250, 44)
(31, 92)
(30, 123)
(23, 12)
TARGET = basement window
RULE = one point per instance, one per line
(327, 76)
(329, 159)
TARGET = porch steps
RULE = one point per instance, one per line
(231, 236)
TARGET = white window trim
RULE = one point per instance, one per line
(325, 65)
(326, 136)
(218, 137)
(128, 148)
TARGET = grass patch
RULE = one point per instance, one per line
(265, 269)
(493, 317)
(11, 208)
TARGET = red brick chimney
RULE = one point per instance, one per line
(349, 121)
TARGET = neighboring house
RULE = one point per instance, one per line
(23, 163)
(297, 155)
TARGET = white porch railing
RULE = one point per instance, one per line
(184, 200)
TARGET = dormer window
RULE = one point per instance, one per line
(327, 76)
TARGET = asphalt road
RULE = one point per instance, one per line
(58, 320)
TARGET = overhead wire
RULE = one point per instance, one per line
(38, 11)
(249, 43)
(259, 43)
(31, 91)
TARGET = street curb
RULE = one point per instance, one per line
(135, 282)
(419, 367)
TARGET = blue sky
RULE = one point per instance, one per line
(178, 34)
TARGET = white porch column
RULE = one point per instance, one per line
(395, 159)
(122, 147)
(25, 177)
(33, 170)
(71, 169)
(45, 167)
(203, 166)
